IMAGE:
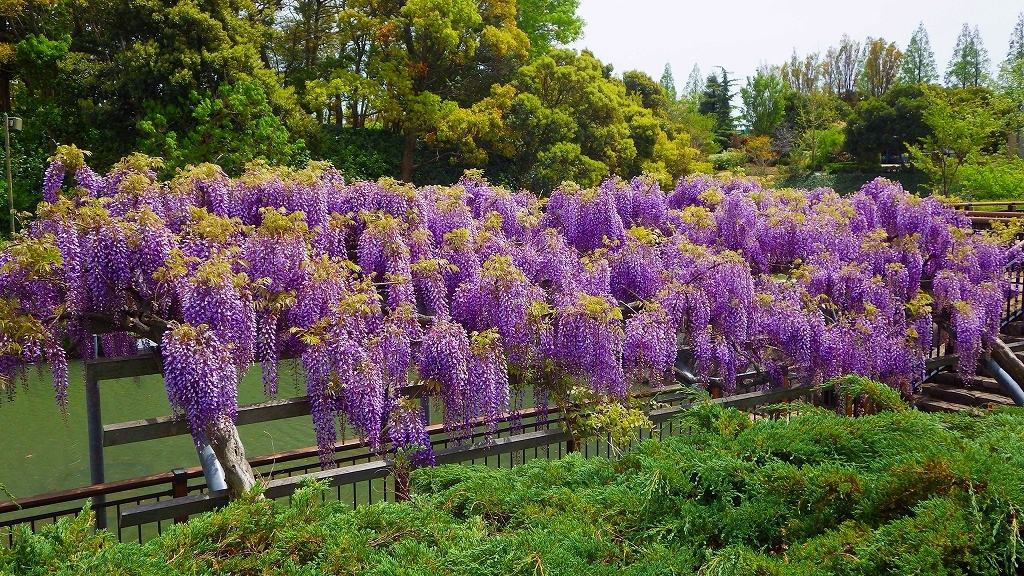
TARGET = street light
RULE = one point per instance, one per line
(10, 123)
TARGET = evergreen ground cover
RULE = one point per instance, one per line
(900, 492)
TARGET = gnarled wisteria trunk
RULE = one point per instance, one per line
(223, 437)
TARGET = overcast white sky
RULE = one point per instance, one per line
(739, 34)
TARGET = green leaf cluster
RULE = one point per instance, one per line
(960, 126)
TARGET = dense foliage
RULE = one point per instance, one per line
(814, 494)
(484, 292)
(417, 90)
(423, 90)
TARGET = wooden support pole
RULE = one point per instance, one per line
(179, 487)
(425, 407)
(572, 445)
(95, 426)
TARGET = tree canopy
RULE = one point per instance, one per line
(884, 126)
(549, 23)
(763, 107)
(969, 66)
(918, 65)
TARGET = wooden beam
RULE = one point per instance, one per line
(993, 214)
(985, 221)
(167, 509)
(941, 362)
(753, 399)
(167, 426)
(101, 369)
(74, 494)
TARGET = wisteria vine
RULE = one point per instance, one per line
(477, 291)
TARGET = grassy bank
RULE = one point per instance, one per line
(894, 493)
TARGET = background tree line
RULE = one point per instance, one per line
(423, 89)
(415, 89)
(863, 104)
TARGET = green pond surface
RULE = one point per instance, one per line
(42, 452)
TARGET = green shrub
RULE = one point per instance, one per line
(899, 492)
(999, 179)
(728, 160)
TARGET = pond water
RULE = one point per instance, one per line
(42, 452)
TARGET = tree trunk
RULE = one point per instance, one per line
(402, 486)
(407, 155)
(223, 437)
(5, 90)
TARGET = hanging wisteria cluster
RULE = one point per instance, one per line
(479, 292)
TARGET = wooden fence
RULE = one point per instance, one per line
(144, 506)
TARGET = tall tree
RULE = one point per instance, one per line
(668, 82)
(1011, 78)
(1016, 50)
(694, 84)
(802, 75)
(566, 122)
(970, 63)
(306, 34)
(439, 57)
(919, 59)
(171, 78)
(841, 68)
(716, 100)
(883, 126)
(652, 94)
(881, 66)
(816, 115)
(549, 23)
(1012, 69)
(763, 105)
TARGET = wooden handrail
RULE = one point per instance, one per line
(988, 203)
(994, 214)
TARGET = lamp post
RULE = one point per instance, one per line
(10, 123)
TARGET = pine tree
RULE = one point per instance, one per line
(919, 60)
(694, 84)
(970, 63)
(1016, 51)
(668, 83)
(709, 94)
(1011, 73)
(716, 99)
